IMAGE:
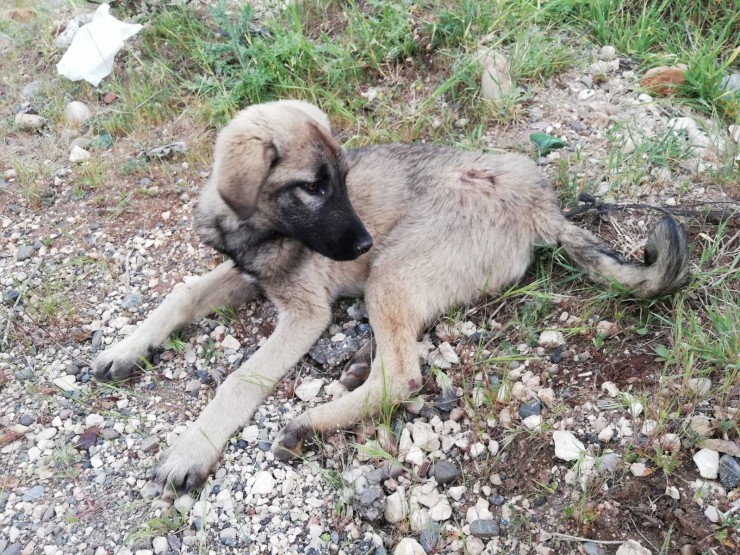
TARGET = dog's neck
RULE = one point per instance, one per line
(257, 252)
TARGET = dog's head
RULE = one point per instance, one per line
(276, 165)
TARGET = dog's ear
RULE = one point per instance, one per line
(243, 170)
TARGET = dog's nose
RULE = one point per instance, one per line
(364, 244)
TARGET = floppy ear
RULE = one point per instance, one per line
(244, 167)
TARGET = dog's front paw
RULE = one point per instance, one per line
(119, 362)
(288, 445)
(187, 464)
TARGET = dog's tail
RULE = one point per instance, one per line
(666, 261)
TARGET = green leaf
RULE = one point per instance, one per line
(663, 352)
(545, 143)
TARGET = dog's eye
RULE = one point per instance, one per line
(312, 187)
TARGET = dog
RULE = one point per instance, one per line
(416, 229)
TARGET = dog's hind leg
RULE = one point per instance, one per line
(187, 463)
(222, 286)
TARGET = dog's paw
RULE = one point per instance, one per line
(119, 362)
(187, 464)
(288, 445)
(357, 370)
(354, 374)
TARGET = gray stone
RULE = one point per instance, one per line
(533, 407)
(48, 513)
(150, 444)
(358, 311)
(26, 420)
(370, 503)
(593, 549)
(444, 472)
(133, 300)
(110, 433)
(729, 472)
(10, 296)
(485, 529)
(24, 374)
(13, 549)
(192, 387)
(31, 89)
(429, 537)
(34, 493)
(24, 252)
(150, 490)
(72, 370)
(326, 352)
(730, 82)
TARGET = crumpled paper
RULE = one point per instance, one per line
(90, 56)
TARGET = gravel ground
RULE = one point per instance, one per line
(526, 457)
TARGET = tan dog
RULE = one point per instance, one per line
(295, 214)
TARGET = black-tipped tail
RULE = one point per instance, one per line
(665, 268)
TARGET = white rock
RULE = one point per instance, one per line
(184, 503)
(607, 434)
(48, 433)
(496, 80)
(190, 355)
(635, 408)
(607, 53)
(456, 492)
(409, 546)
(533, 421)
(670, 443)
(707, 461)
(567, 446)
(672, 492)
(474, 546)
(700, 386)
(547, 396)
(77, 112)
(701, 424)
(712, 514)
(477, 449)
(638, 469)
(94, 420)
(396, 507)
(415, 456)
(159, 544)
(631, 547)
(551, 338)
(29, 121)
(66, 383)
(493, 447)
(681, 123)
(448, 353)
(420, 520)
(263, 483)
(441, 511)
(230, 342)
(309, 389)
(79, 155)
(424, 436)
(610, 388)
(338, 337)
(335, 389)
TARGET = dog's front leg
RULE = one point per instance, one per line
(394, 375)
(222, 286)
(189, 461)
